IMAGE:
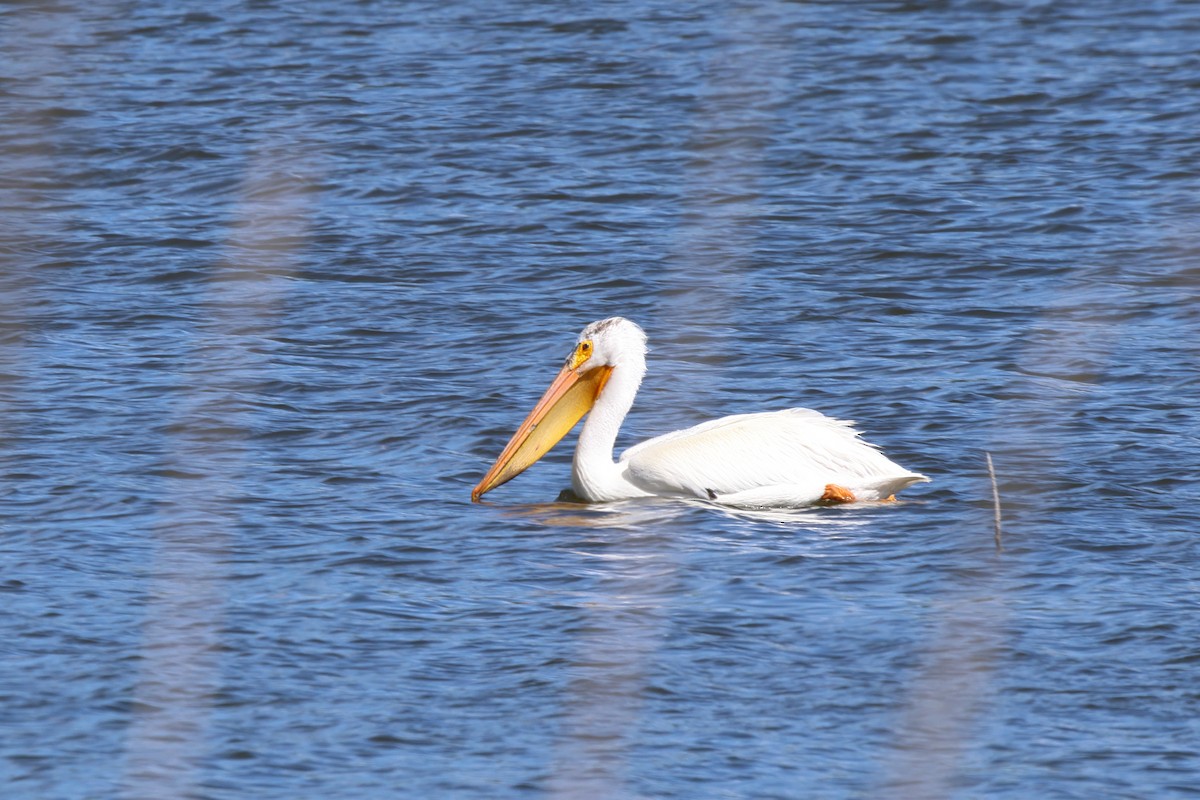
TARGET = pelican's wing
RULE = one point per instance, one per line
(764, 459)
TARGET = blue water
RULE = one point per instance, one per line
(278, 280)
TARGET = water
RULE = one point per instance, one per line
(280, 279)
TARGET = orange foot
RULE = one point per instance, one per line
(837, 494)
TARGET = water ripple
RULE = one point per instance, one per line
(276, 286)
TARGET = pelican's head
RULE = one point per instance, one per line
(601, 347)
(610, 342)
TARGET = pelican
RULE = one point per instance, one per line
(790, 458)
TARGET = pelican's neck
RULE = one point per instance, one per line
(595, 476)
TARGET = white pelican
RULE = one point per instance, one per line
(789, 458)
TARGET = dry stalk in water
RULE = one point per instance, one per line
(995, 499)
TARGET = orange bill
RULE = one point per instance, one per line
(570, 396)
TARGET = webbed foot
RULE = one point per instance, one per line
(835, 494)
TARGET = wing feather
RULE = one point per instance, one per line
(795, 447)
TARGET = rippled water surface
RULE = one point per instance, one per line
(277, 281)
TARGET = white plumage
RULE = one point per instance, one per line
(776, 458)
(789, 458)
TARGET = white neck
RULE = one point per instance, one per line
(595, 476)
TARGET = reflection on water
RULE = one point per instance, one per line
(631, 515)
(638, 514)
(828, 521)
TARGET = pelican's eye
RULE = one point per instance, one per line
(583, 351)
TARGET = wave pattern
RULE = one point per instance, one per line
(278, 280)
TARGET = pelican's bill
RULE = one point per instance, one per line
(570, 396)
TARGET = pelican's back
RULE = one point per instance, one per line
(796, 451)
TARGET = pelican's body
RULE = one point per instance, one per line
(790, 458)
